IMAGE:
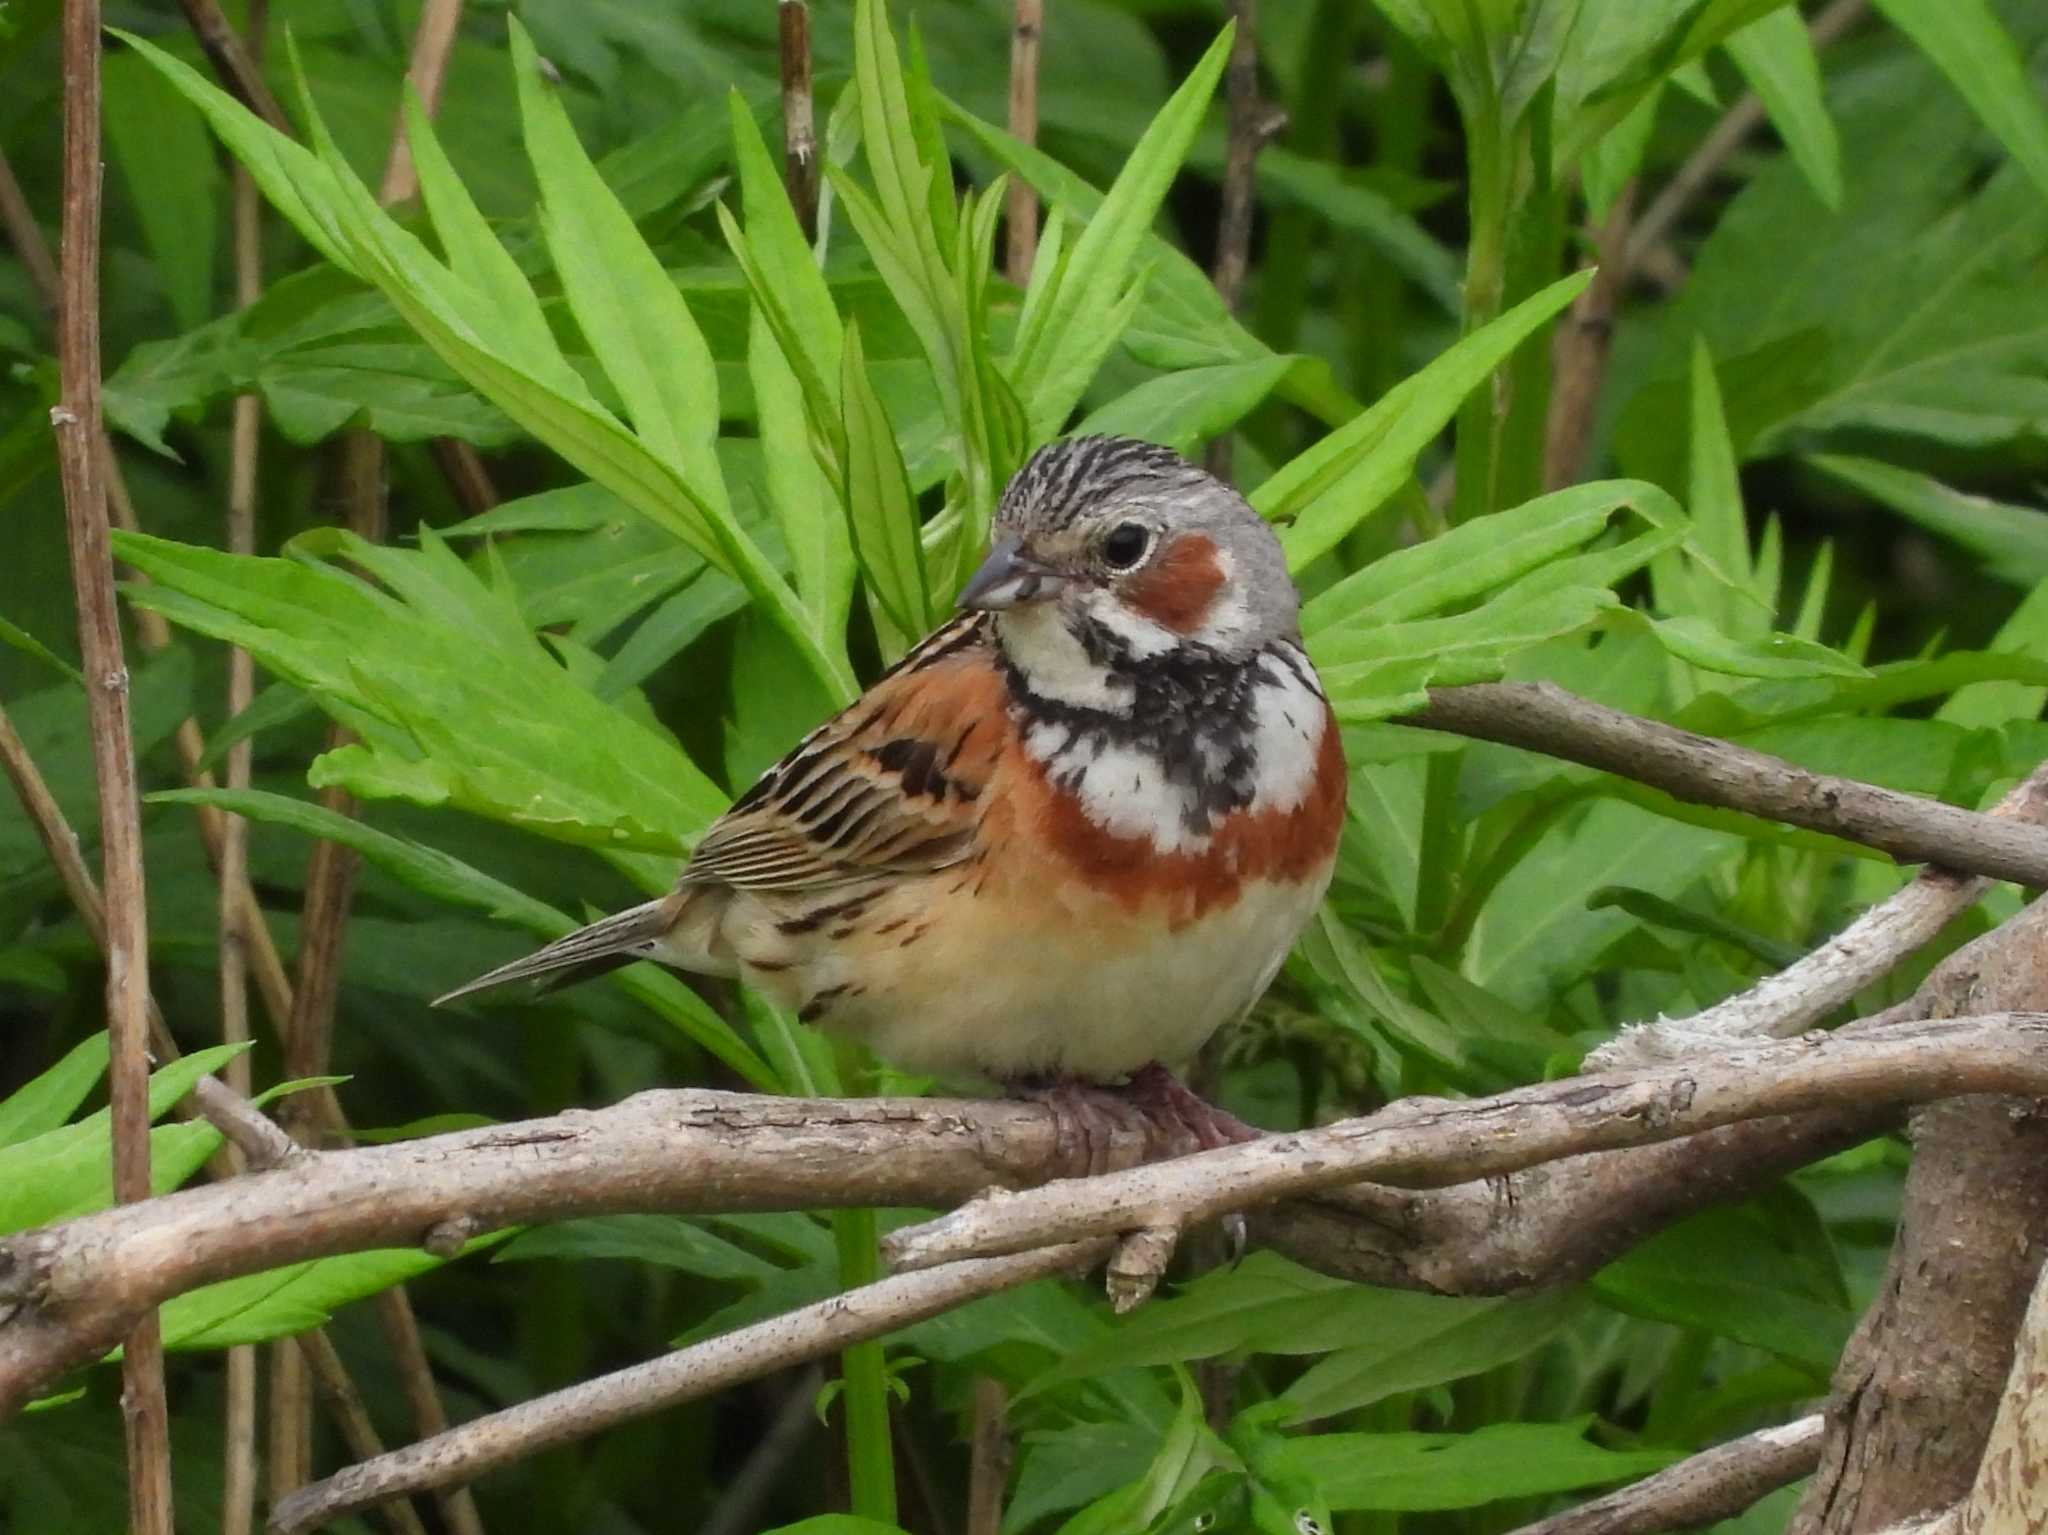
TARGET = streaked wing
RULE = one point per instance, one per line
(891, 785)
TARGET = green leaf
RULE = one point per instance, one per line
(165, 158)
(1181, 409)
(1966, 42)
(279, 1303)
(636, 322)
(68, 1171)
(1776, 56)
(446, 878)
(1333, 486)
(836, 1524)
(1416, 1341)
(1480, 555)
(292, 178)
(1697, 641)
(1423, 1472)
(46, 1101)
(474, 254)
(1076, 331)
(2012, 541)
(13, 634)
(497, 728)
(1726, 1271)
(880, 509)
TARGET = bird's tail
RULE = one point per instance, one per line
(635, 933)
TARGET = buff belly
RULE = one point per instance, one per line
(938, 981)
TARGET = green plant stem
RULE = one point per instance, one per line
(1517, 239)
(1489, 156)
(806, 1065)
(870, 1457)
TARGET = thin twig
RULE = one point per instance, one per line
(1827, 977)
(26, 236)
(799, 116)
(238, 1411)
(793, 1426)
(988, 1466)
(1020, 207)
(338, 1390)
(1670, 206)
(231, 61)
(433, 41)
(1541, 717)
(687, 1375)
(1713, 1485)
(1579, 349)
(75, 421)
(1253, 122)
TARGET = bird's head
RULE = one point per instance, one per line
(1128, 552)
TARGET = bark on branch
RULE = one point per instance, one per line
(1703, 771)
(66, 1292)
(1425, 1142)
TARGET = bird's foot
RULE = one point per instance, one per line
(1088, 1119)
(1175, 1107)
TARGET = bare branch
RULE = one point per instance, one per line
(1425, 1142)
(824, 1327)
(433, 40)
(26, 236)
(1542, 717)
(988, 1467)
(1020, 210)
(1713, 1485)
(1580, 346)
(1554, 1224)
(76, 422)
(331, 1377)
(1253, 121)
(76, 1286)
(1807, 991)
(231, 61)
(799, 115)
(1918, 1386)
(1661, 219)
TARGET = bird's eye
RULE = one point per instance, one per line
(1126, 545)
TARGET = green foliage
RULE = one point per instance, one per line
(746, 468)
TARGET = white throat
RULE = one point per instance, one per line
(1055, 666)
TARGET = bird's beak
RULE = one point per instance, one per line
(1007, 578)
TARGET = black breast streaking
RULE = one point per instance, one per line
(1193, 714)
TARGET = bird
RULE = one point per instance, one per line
(1063, 840)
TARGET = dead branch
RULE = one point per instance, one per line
(1918, 1386)
(824, 1327)
(76, 426)
(1423, 1142)
(433, 41)
(231, 61)
(1713, 1485)
(1541, 717)
(1020, 209)
(74, 1287)
(799, 115)
(1807, 991)
(1253, 123)
(1554, 1224)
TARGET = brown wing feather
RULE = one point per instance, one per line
(890, 785)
